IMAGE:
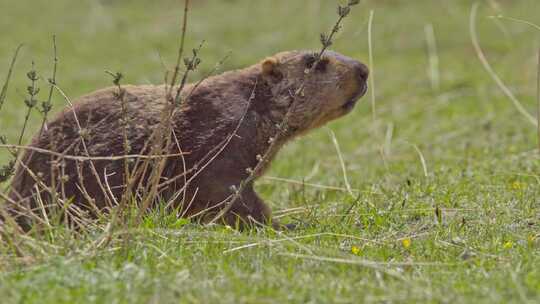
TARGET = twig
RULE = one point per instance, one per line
(3, 93)
(47, 105)
(90, 158)
(210, 73)
(42, 207)
(85, 147)
(184, 168)
(283, 128)
(351, 207)
(120, 96)
(162, 135)
(126, 196)
(6, 216)
(31, 101)
(252, 175)
(327, 40)
(191, 64)
(180, 49)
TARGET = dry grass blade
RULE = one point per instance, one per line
(368, 263)
(538, 98)
(5, 216)
(302, 183)
(302, 237)
(422, 159)
(387, 148)
(358, 262)
(487, 66)
(433, 57)
(84, 145)
(371, 64)
(270, 242)
(341, 162)
(536, 26)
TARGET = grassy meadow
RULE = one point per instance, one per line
(436, 198)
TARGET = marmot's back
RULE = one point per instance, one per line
(99, 120)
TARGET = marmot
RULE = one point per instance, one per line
(249, 102)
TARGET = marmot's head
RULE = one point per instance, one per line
(313, 92)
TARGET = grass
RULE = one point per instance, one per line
(466, 232)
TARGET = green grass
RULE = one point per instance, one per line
(483, 170)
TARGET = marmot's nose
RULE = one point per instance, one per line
(362, 71)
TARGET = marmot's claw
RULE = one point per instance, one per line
(291, 226)
(284, 227)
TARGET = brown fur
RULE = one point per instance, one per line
(204, 121)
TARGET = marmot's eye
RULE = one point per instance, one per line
(310, 60)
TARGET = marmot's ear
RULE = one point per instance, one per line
(270, 69)
(269, 65)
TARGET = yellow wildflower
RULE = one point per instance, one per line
(508, 245)
(406, 243)
(530, 239)
(355, 250)
(517, 185)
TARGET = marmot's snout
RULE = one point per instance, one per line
(362, 74)
(362, 71)
(358, 85)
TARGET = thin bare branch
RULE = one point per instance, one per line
(90, 158)
(3, 93)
